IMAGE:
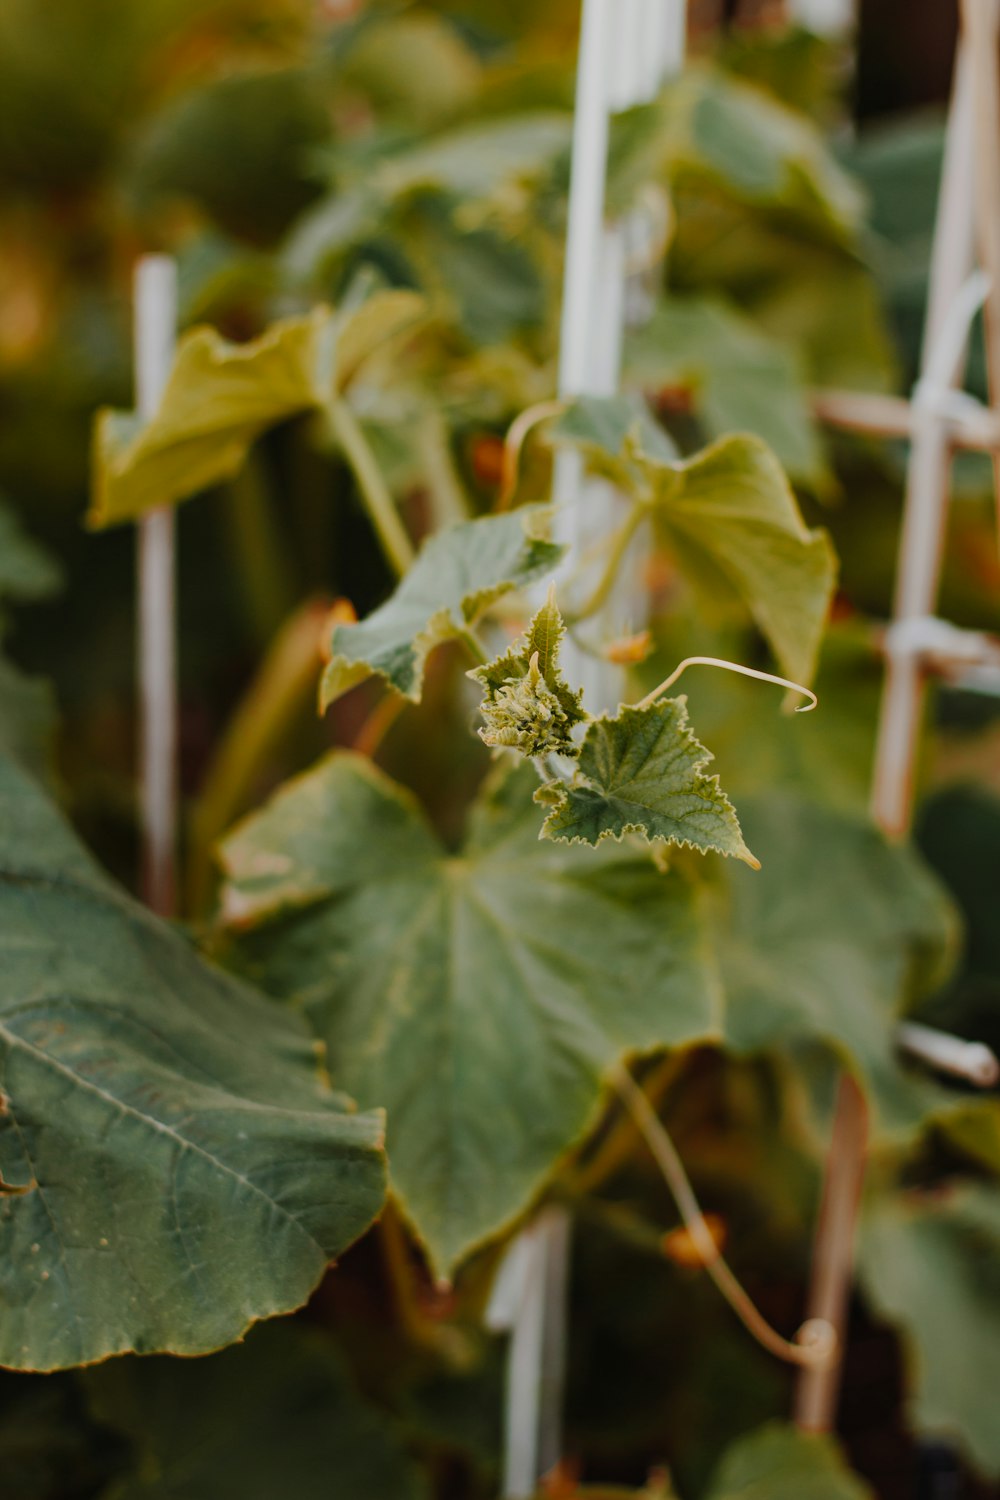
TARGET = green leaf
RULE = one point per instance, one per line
(278, 1415)
(831, 940)
(480, 996)
(221, 396)
(529, 706)
(27, 572)
(741, 380)
(456, 575)
(27, 718)
(931, 1267)
(731, 517)
(732, 134)
(778, 1462)
(731, 507)
(643, 772)
(172, 1165)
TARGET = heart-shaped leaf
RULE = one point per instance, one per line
(486, 1021)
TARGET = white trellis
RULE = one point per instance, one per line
(938, 416)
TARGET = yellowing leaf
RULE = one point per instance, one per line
(221, 396)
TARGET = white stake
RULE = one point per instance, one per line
(155, 324)
(952, 301)
(627, 47)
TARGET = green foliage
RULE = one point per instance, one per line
(643, 772)
(832, 940)
(27, 718)
(782, 1463)
(229, 1174)
(221, 396)
(731, 518)
(278, 1414)
(740, 380)
(457, 574)
(27, 572)
(528, 705)
(486, 1026)
(477, 986)
(930, 1266)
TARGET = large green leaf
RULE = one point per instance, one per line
(732, 518)
(932, 1266)
(221, 396)
(830, 940)
(278, 1415)
(27, 571)
(643, 771)
(172, 1164)
(741, 381)
(27, 718)
(480, 996)
(456, 575)
(781, 1463)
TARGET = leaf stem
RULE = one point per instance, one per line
(474, 646)
(375, 494)
(816, 1341)
(730, 666)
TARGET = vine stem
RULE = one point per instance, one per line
(378, 502)
(513, 444)
(730, 666)
(815, 1343)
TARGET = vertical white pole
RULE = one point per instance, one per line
(155, 324)
(627, 47)
(918, 569)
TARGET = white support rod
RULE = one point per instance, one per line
(918, 570)
(155, 325)
(973, 1061)
(925, 507)
(979, 24)
(626, 46)
(585, 218)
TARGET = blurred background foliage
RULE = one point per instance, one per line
(280, 148)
